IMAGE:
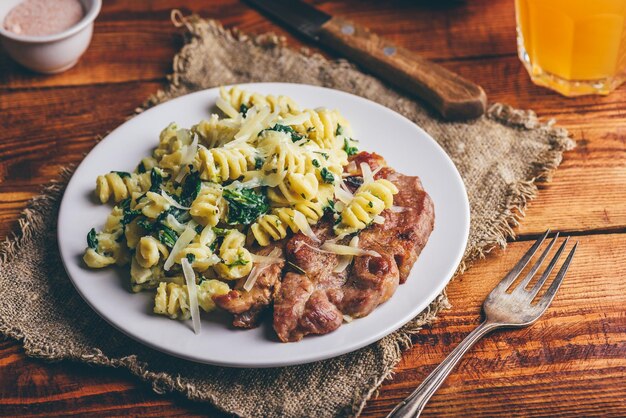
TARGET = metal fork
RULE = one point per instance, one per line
(502, 310)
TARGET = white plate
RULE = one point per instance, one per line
(406, 147)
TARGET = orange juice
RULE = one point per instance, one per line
(573, 46)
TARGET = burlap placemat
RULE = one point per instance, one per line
(500, 156)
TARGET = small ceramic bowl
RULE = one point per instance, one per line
(52, 53)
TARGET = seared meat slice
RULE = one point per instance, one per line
(248, 306)
(306, 303)
(300, 309)
(403, 234)
(373, 281)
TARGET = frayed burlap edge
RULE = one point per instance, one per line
(520, 194)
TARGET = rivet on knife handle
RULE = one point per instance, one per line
(453, 96)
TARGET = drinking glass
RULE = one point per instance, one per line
(575, 47)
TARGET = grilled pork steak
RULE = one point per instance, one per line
(315, 302)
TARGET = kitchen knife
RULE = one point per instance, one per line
(453, 96)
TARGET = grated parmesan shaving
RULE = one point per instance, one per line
(227, 108)
(300, 220)
(267, 258)
(347, 250)
(366, 171)
(192, 291)
(399, 209)
(207, 236)
(171, 201)
(345, 260)
(378, 220)
(294, 119)
(174, 224)
(185, 238)
(261, 263)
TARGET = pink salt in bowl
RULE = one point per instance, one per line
(53, 53)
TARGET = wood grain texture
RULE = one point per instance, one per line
(571, 363)
(453, 96)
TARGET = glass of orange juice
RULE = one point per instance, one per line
(575, 47)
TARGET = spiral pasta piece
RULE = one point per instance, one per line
(118, 186)
(320, 127)
(208, 206)
(149, 251)
(202, 256)
(221, 164)
(236, 259)
(216, 132)
(275, 225)
(369, 201)
(108, 251)
(298, 187)
(236, 96)
(172, 299)
(173, 147)
(152, 205)
(312, 210)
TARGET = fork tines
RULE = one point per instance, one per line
(521, 288)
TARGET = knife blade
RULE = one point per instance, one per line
(453, 96)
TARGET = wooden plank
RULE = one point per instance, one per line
(136, 40)
(571, 363)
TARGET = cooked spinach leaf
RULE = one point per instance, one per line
(243, 109)
(191, 258)
(245, 205)
(258, 163)
(349, 148)
(167, 236)
(327, 176)
(191, 188)
(155, 180)
(288, 130)
(92, 239)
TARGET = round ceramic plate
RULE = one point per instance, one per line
(405, 146)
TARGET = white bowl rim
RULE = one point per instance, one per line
(89, 17)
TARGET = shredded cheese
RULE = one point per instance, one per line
(174, 224)
(399, 209)
(207, 236)
(261, 259)
(294, 119)
(366, 171)
(346, 260)
(183, 240)
(172, 202)
(227, 108)
(378, 220)
(347, 250)
(261, 263)
(192, 291)
(300, 220)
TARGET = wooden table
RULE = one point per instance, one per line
(571, 363)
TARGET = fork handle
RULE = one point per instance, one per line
(413, 405)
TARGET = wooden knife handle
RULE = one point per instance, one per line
(453, 96)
